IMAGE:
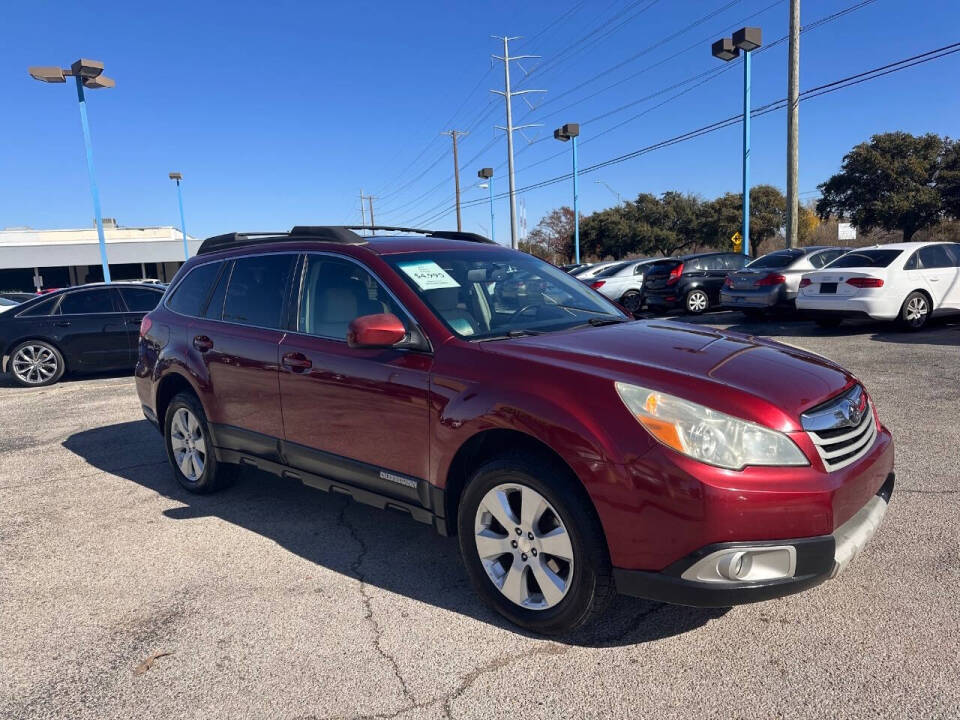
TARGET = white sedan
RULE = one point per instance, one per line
(909, 282)
(7, 304)
(622, 282)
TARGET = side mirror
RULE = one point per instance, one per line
(375, 331)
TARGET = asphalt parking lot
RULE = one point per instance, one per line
(123, 596)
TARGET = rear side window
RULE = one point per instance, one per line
(214, 309)
(88, 302)
(735, 261)
(41, 308)
(140, 299)
(612, 270)
(866, 259)
(935, 256)
(776, 260)
(257, 289)
(191, 294)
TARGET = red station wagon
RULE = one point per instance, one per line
(574, 451)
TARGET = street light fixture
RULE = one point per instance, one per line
(746, 40)
(89, 73)
(571, 131)
(487, 174)
(177, 177)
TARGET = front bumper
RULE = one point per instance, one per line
(816, 559)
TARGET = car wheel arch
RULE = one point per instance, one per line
(169, 387)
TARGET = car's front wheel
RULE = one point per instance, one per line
(35, 363)
(915, 311)
(532, 547)
(190, 447)
(697, 302)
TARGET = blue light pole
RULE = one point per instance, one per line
(571, 131)
(177, 177)
(746, 39)
(487, 175)
(89, 74)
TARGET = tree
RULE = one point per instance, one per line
(807, 224)
(555, 233)
(725, 217)
(889, 183)
(948, 181)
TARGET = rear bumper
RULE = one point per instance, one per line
(817, 559)
(759, 298)
(875, 307)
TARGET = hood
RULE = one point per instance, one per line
(725, 370)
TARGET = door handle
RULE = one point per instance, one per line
(297, 362)
(62, 323)
(202, 343)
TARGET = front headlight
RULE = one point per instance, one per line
(708, 435)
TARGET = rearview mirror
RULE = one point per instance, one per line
(375, 331)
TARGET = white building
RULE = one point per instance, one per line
(60, 258)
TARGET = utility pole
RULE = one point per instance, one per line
(793, 124)
(456, 172)
(507, 94)
(370, 199)
(363, 218)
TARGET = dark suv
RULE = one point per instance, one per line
(691, 282)
(575, 452)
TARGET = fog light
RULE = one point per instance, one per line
(745, 564)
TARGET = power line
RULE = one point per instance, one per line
(836, 85)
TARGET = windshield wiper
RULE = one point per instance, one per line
(511, 334)
(597, 322)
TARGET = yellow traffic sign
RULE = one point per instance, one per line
(737, 240)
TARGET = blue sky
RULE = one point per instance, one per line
(279, 113)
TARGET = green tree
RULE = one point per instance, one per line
(724, 217)
(948, 180)
(889, 183)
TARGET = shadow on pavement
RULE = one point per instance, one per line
(7, 382)
(387, 550)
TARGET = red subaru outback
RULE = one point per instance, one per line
(576, 452)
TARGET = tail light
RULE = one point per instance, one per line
(145, 326)
(675, 275)
(771, 279)
(865, 282)
(597, 284)
(805, 282)
(728, 282)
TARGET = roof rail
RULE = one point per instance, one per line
(326, 233)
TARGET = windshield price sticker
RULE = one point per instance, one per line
(428, 275)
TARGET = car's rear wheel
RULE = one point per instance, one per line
(915, 311)
(532, 546)
(697, 302)
(632, 301)
(190, 447)
(36, 363)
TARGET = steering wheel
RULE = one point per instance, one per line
(528, 306)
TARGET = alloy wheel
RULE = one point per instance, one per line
(917, 310)
(35, 364)
(524, 546)
(697, 301)
(631, 301)
(188, 443)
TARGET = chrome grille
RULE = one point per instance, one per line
(843, 429)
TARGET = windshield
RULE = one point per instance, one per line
(483, 295)
(865, 259)
(774, 260)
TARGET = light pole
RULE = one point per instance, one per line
(487, 174)
(89, 73)
(177, 177)
(747, 39)
(571, 131)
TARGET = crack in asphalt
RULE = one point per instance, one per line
(355, 567)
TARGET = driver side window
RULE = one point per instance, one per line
(334, 292)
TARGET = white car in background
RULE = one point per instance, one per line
(7, 304)
(622, 282)
(590, 271)
(909, 282)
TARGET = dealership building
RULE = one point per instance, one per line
(44, 259)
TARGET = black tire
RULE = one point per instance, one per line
(828, 323)
(41, 350)
(591, 585)
(915, 311)
(696, 301)
(632, 301)
(214, 475)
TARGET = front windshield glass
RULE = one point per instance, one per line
(485, 294)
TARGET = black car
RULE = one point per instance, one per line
(692, 282)
(83, 329)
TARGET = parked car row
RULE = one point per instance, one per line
(910, 282)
